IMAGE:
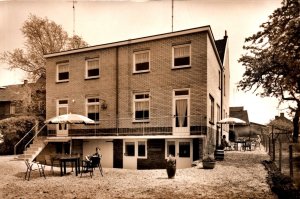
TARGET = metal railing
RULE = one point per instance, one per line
(165, 125)
(25, 147)
(15, 147)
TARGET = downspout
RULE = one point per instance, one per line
(117, 89)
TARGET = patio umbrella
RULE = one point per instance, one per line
(232, 121)
(70, 119)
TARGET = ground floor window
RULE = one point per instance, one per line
(171, 148)
(184, 149)
(141, 149)
(129, 148)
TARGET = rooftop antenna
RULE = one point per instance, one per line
(172, 13)
(74, 1)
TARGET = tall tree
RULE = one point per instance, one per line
(272, 59)
(42, 36)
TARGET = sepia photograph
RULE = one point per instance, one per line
(159, 99)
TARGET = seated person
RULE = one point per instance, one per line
(224, 143)
(97, 154)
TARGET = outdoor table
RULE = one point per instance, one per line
(63, 161)
(243, 144)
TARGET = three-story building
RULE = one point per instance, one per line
(150, 97)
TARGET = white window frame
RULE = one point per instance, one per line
(87, 69)
(57, 72)
(211, 109)
(140, 100)
(134, 61)
(173, 56)
(87, 104)
(58, 105)
(146, 151)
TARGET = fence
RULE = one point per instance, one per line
(284, 153)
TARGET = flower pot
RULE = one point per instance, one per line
(209, 164)
(171, 168)
(219, 154)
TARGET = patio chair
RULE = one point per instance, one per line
(52, 162)
(88, 166)
(34, 166)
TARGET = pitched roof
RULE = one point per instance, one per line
(221, 46)
(12, 92)
(239, 112)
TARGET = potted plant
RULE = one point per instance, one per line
(171, 166)
(208, 161)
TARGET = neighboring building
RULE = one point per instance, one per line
(150, 97)
(23, 99)
(250, 129)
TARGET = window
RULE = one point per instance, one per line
(62, 107)
(129, 148)
(63, 72)
(141, 61)
(93, 108)
(141, 148)
(218, 112)
(171, 148)
(92, 68)
(220, 80)
(141, 104)
(182, 56)
(224, 90)
(184, 149)
(212, 109)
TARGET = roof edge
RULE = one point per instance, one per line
(133, 41)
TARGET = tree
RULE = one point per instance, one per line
(272, 61)
(42, 36)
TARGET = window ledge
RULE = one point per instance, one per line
(181, 67)
(141, 121)
(212, 123)
(90, 78)
(62, 81)
(141, 72)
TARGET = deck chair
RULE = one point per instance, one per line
(88, 166)
(34, 166)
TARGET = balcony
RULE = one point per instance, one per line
(154, 126)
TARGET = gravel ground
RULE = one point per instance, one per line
(240, 175)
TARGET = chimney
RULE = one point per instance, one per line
(225, 37)
(281, 115)
(25, 81)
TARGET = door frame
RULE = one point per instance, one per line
(181, 130)
(181, 162)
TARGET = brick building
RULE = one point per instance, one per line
(149, 96)
(23, 99)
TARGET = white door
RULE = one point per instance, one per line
(62, 108)
(129, 154)
(181, 109)
(182, 150)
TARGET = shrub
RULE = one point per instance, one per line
(12, 130)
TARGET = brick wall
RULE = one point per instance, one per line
(155, 155)
(160, 81)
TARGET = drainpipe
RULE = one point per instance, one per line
(117, 89)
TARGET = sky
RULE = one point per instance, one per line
(104, 21)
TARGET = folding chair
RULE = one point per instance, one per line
(88, 166)
(34, 166)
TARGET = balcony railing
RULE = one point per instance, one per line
(190, 125)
